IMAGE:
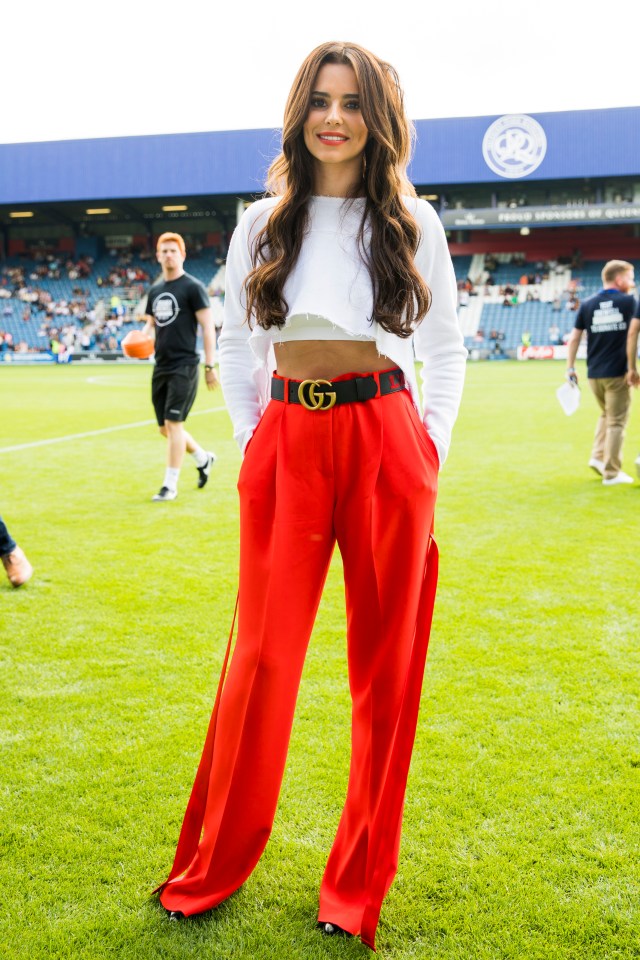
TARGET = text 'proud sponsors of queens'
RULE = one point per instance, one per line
(570, 213)
(588, 213)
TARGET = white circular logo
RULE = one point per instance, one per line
(514, 146)
(165, 309)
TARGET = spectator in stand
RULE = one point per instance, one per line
(554, 334)
(606, 318)
(14, 561)
(573, 303)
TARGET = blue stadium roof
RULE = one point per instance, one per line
(544, 146)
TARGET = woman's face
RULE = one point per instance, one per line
(334, 131)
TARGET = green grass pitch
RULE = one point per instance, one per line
(521, 835)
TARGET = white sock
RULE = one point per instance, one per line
(200, 456)
(171, 478)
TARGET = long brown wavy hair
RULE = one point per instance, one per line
(401, 298)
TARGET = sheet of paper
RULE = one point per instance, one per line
(569, 397)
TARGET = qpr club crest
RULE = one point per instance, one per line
(514, 146)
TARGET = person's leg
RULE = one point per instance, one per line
(177, 443)
(204, 459)
(286, 541)
(191, 445)
(173, 396)
(384, 516)
(14, 561)
(181, 396)
(7, 543)
(159, 393)
(617, 405)
(597, 450)
(169, 488)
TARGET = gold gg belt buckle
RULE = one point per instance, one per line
(312, 400)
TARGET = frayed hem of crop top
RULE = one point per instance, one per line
(312, 326)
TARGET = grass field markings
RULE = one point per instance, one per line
(106, 381)
(522, 813)
(96, 433)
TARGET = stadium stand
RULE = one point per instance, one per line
(514, 302)
(90, 308)
(461, 266)
(505, 301)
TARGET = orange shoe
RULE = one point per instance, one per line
(18, 568)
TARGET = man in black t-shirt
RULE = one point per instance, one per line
(633, 377)
(606, 318)
(176, 306)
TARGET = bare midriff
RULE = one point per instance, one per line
(326, 359)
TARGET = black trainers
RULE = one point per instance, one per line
(203, 472)
(165, 494)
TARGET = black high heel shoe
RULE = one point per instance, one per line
(332, 930)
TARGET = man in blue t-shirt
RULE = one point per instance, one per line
(633, 377)
(606, 318)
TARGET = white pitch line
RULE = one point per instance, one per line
(96, 433)
(107, 381)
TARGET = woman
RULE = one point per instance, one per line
(341, 270)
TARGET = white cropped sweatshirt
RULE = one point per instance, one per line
(330, 280)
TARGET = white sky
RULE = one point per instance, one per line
(128, 67)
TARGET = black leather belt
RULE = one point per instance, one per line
(324, 394)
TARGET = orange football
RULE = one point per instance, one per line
(137, 344)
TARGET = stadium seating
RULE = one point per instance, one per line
(21, 332)
(62, 288)
(461, 266)
(589, 279)
(488, 313)
(533, 316)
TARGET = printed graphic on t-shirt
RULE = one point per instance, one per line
(606, 318)
(165, 309)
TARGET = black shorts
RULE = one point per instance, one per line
(173, 393)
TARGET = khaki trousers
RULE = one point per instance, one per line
(614, 399)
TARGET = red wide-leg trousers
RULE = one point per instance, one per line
(364, 475)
